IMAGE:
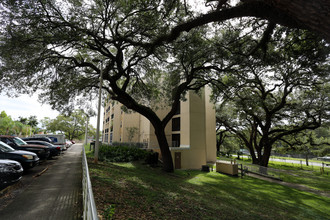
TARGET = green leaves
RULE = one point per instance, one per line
(72, 125)
(276, 94)
(121, 153)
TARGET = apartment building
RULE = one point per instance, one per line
(191, 133)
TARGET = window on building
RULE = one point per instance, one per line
(176, 124)
(175, 140)
(112, 116)
(178, 111)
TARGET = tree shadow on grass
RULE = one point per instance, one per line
(198, 195)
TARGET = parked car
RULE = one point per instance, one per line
(26, 158)
(68, 143)
(10, 171)
(57, 139)
(54, 150)
(18, 144)
(47, 139)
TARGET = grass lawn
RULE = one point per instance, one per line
(299, 174)
(137, 191)
(306, 175)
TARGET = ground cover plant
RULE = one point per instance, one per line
(136, 191)
(121, 153)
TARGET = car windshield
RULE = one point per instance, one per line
(5, 148)
(19, 141)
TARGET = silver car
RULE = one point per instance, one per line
(10, 171)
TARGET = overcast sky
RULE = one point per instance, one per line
(26, 106)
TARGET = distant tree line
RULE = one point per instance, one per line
(73, 125)
(21, 127)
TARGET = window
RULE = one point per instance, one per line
(176, 124)
(112, 116)
(178, 110)
(175, 140)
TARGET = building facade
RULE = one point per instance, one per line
(191, 133)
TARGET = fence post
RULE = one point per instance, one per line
(242, 172)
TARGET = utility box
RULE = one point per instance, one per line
(227, 168)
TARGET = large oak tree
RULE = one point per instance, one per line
(276, 92)
(298, 14)
(62, 47)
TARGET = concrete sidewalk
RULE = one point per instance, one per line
(56, 194)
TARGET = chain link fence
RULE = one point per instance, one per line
(260, 170)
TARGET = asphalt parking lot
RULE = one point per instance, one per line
(51, 190)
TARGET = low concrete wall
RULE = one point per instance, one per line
(227, 168)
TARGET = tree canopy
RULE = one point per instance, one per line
(275, 93)
(63, 46)
(8, 126)
(73, 126)
(147, 51)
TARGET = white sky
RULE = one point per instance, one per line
(26, 106)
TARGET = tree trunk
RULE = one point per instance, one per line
(218, 145)
(307, 159)
(265, 157)
(164, 148)
(253, 156)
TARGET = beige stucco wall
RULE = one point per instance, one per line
(197, 130)
(198, 137)
(193, 153)
(106, 125)
(116, 110)
(130, 120)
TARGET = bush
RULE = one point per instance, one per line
(121, 153)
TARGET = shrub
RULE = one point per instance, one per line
(121, 153)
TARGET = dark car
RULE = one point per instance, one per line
(26, 158)
(10, 171)
(54, 150)
(47, 139)
(18, 144)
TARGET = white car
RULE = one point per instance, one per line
(68, 143)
